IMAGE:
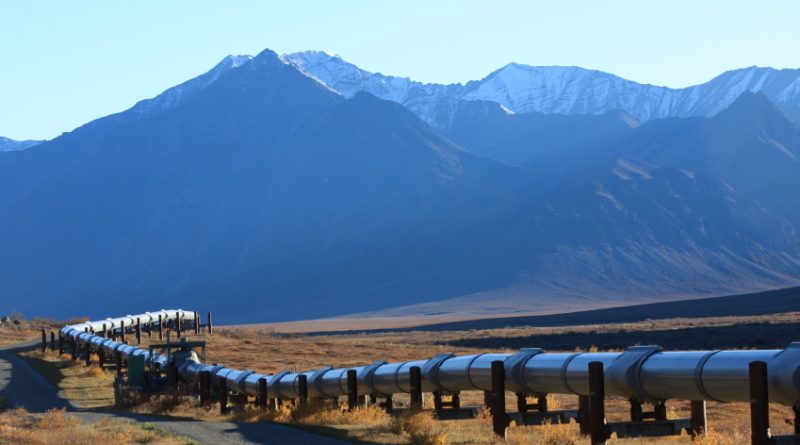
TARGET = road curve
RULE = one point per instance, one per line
(21, 385)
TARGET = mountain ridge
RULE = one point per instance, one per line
(266, 193)
(8, 144)
(562, 89)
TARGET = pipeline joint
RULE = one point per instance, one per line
(430, 370)
(515, 369)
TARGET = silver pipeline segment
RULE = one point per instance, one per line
(84, 333)
(129, 320)
(645, 373)
(642, 373)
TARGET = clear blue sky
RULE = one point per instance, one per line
(64, 63)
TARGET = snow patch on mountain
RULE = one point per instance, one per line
(7, 144)
(175, 95)
(557, 90)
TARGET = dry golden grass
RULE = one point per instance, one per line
(27, 330)
(56, 427)
(421, 429)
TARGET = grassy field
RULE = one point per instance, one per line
(266, 351)
(25, 331)
(56, 427)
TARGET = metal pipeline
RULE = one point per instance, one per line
(85, 333)
(645, 373)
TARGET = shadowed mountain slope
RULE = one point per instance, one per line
(264, 195)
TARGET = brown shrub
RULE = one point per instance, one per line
(95, 372)
(420, 427)
(57, 418)
(557, 434)
(370, 415)
(713, 437)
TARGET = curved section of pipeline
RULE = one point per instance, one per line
(644, 373)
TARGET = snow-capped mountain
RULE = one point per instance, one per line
(7, 144)
(426, 100)
(270, 188)
(558, 90)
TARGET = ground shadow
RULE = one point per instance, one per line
(745, 335)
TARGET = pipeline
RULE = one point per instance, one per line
(645, 373)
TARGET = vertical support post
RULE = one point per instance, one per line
(437, 401)
(352, 390)
(660, 410)
(138, 331)
(60, 343)
(196, 323)
(415, 386)
(637, 413)
(302, 389)
(44, 340)
(796, 410)
(759, 403)
(522, 403)
(52, 341)
(698, 425)
(101, 357)
(583, 415)
(205, 387)
(262, 393)
(74, 348)
(388, 404)
(209, 326)
(499, 418)
(105, 331)
(223, 395)
(122, 330)
(160, 327)
(88, 350)
(597, 396)
(541, 403)
(118, 358)
(150, 328)
(178, 324)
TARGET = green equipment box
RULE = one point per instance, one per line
(136, 371)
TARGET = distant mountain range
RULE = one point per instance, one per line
(266, 189)
(558, 90)
(7, 144)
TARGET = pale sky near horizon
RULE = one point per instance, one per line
(65, 63)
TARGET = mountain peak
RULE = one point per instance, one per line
(267, 57)
(750, 103)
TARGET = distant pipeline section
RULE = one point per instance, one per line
(642, 372)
